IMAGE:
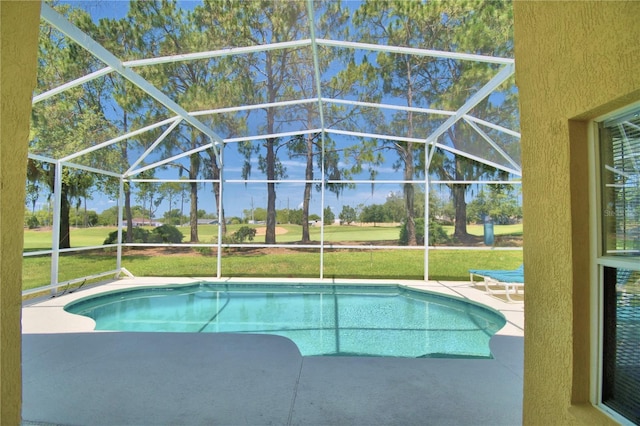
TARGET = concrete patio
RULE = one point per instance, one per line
(74, 376)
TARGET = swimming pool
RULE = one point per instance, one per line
(363, 320)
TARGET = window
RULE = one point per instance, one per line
(618, 265)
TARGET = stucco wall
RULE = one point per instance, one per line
(18, 50)
(574, 62)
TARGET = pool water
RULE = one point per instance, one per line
(376, 320)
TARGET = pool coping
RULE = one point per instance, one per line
(49, 316)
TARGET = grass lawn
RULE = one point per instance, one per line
(35, 239)
(478, 230)
(85, 237)
(339, 263)
(381, 264)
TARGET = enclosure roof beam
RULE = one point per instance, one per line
(513, 171)
(506, 72)
(231, 51)
(422, 141)
(481, 160)
(71, 84)
(494, 144)
(273, 135)
(478, 182)
(252, 107)
(497, 127)
(168, 160)
(41, 158)
(91, 169)
(415, 51)
(458, 182)
(75, 34)
(175, 180)
(380, 105)
(120, 138)
(422, 110)
(490, 163)
(353, 103)
(153, 145)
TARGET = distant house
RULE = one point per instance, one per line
(203, 222)
(142, 222)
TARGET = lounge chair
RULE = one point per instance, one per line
(511, 280)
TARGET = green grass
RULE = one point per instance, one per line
(478, 230)
(85, 237)
(381, 264)
(80, 237)
(209, 233)
(36, 270)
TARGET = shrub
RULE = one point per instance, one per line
(437, 234)
(161, 234)
(245, 232)
(32, 222)
(205, 251)
(166, 234)
(140, 235)
(228, 239)
(238, 237)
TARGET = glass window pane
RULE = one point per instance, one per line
(620, 180)
(621, 342)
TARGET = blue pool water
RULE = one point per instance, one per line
(375, 320)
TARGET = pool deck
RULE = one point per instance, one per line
(73, 375)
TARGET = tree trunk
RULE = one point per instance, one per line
(408, 189)
(127, 188)
(193, 211)
(270, 235)
(181, 205)
(150, 208)
(64, 240)
(221, 219)
(460, 206)
(409, 196)
(127, 213)
(459, 203)
(215, 173)
(306, 200)
(85, 221)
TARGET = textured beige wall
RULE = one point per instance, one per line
(574, 61)
(18, 50)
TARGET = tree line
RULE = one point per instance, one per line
(103, 108)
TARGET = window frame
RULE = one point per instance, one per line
(600, 260)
